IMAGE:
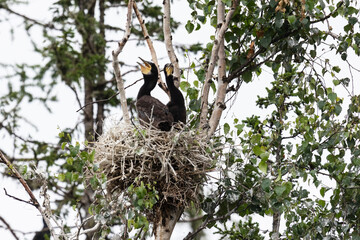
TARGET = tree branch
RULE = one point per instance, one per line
(30, 193)
(119, 80)
(221, 28)
(151, 47)
(8, 227)
(222, 84)
(46, 25)
(168, 41)
(191, 235)
(18, 199)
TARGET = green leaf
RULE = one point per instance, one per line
(61, 177)
(332, 96)
(226, 128)
(263, 166)
(338, 109)
(321, 104)
(184, 86)
(336, 69)
(292, 19)
(247, 76)
(264, 156)
(321, 202)
(344, 56)
(265, 41)
(189, 26)
(313, 53)
(279, 190)
(279, 176)
(70, 160)
(279, 21)
(265, 184)
(239, 128)
(23, 169)
(323, 191)
(258, 150)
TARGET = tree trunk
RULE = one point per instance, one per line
(276, 226)
(166, 219)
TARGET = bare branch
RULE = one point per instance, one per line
(221, 28)
(46, 25)
(168, 41)
(111, 97)
(222, 84)
(8, 227)
(151, 47)
(18, 199)
(119, 80)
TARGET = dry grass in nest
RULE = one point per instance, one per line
(177, 161)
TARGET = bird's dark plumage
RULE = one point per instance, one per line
(177, 104)
(150, 109)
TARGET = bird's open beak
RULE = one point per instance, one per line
(169, 69)
(145, 68)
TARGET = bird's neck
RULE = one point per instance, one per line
(175, 93)
(149, 85)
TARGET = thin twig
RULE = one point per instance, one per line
(18, 199)
(46, 25)
(111, 97)
(8, 227)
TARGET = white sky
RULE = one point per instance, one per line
(18, 49)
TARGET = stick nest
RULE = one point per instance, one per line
(175, 162)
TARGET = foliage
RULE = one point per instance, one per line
(241, 230)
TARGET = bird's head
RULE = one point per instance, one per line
(168, 69)
(148, 68)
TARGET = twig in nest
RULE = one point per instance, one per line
(177, 161)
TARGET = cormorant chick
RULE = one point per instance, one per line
(150, 109)
(177, 104)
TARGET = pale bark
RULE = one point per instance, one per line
(115, 54)
(213, 58)
(222, 84)
(276, 226)
(151, 47)
(168, 41)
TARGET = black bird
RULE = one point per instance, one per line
(177, 104)
(150, 109)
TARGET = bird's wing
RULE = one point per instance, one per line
(151, 108)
